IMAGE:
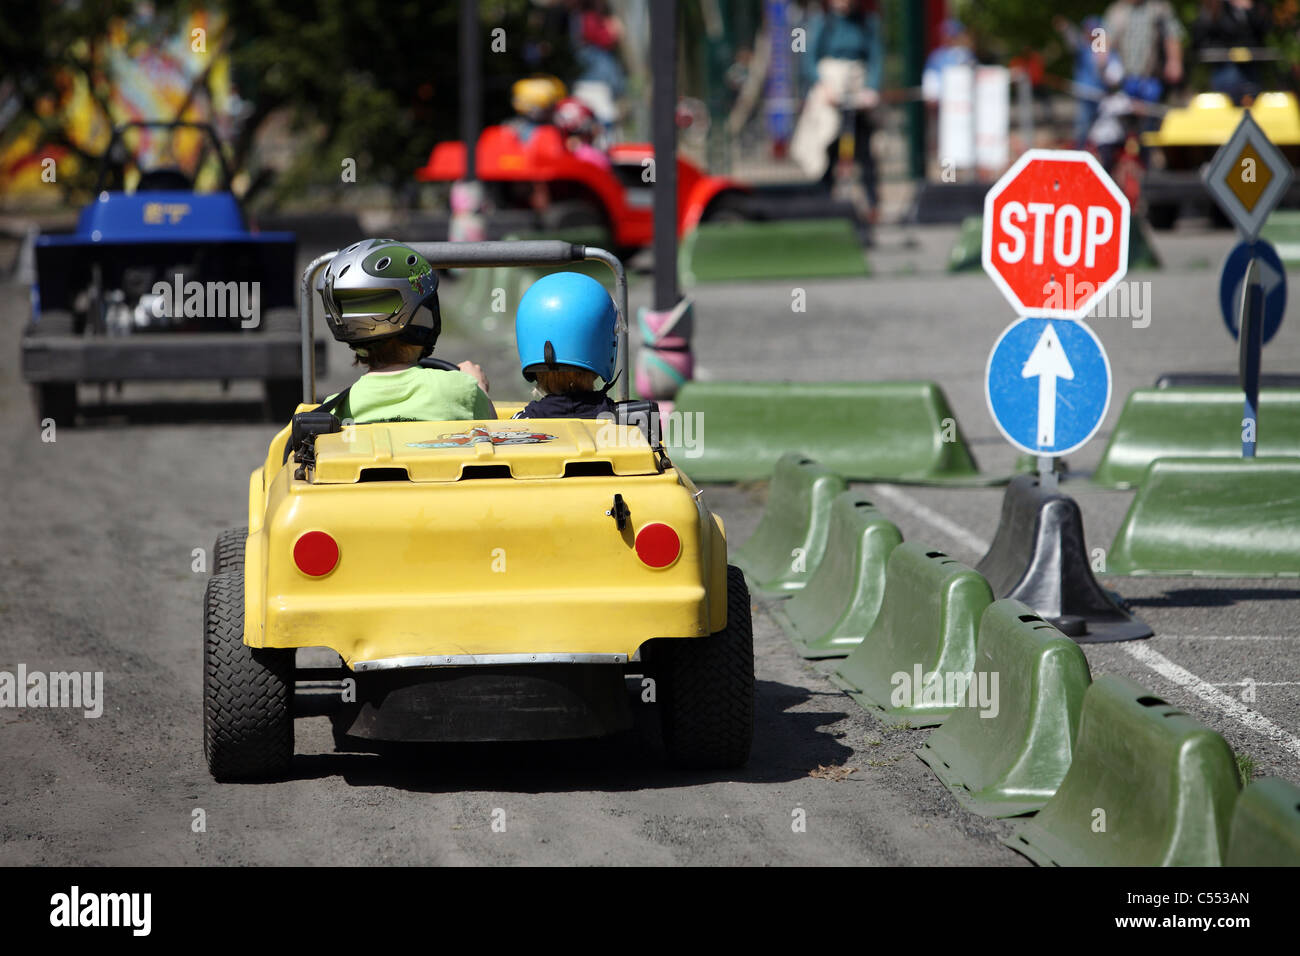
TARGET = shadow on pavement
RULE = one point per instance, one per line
(1207, 595)
(786, 747)
(163, 412)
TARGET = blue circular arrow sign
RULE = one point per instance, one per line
(1272, 274)
(1048, 385)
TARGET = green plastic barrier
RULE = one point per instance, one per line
(1148, 786)
(830, 616)
(1009, 759)
(966, 254)
(1194, 421)
(915, 663)
(1141, 250)
(1266, 825)
(785, 249)
(1212, 516)
(786, 547)
(867, 431)
(1283, 230)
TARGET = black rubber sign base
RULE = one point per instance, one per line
(1038, 556)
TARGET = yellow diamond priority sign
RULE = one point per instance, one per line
(1247, 177)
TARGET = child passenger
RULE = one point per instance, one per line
(565, 330)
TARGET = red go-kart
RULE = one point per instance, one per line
(566, 191)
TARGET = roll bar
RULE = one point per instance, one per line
(443, 255)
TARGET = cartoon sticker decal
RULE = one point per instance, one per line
(480, 435)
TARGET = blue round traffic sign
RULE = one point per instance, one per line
(1273, 276)
(1048, 385)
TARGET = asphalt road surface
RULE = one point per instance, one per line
(99, 527)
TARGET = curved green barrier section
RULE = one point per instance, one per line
(1009, 759)
(832, 614)
(1148, 786)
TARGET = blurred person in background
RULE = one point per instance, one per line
(534, 99)
(546, 20)
(1222, 25)
(843, 66)
(1148, 39)
(602, 81)
(954, 49)
(581, 131)
(1089, 86)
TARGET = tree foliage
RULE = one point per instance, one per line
(372, 80)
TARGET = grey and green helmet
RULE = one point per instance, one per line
(374, 290)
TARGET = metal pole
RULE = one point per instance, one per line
(620, 293)
(1250, 337)
(1047, 473)
(471, 83)
(663, 67)
(1025, 107)
(913, 66)
(305, 325)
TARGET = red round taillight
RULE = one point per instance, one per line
(316, 553)
(657, 545)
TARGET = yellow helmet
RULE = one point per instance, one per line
(536, 96)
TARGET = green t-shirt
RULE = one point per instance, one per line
(418, 394)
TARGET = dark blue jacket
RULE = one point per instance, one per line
(569, 405)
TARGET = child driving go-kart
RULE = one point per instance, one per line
(381, 298)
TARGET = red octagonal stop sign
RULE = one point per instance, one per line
(1055, 234)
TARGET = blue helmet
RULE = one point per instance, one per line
(566, 318)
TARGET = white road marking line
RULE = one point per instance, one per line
(1257, 683)
(1226, 637)
(931, 517)
(1212, 695)
(1141, 651)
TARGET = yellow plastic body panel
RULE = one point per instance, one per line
(507, 409)
(440, 451)
(477, 566)
(1210, 119)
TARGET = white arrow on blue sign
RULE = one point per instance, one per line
(1273, 276)
(1048, 385)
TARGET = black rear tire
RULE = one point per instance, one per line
(247, 692)
(57, 401)
(573, 214)
(707, 689)
(728, 207)
(228, 552)
(1162, 216)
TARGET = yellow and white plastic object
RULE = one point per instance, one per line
(1210, 119)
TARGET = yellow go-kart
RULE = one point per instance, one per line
(480, 580)
(1189, 137)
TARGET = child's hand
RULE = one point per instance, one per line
(469, 368)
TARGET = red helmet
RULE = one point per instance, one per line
(574, 117)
